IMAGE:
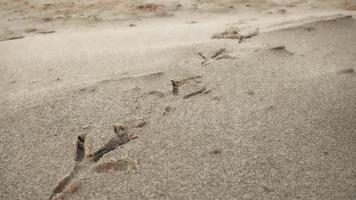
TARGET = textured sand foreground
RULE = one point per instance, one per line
(144, 115)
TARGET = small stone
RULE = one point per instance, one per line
(250, 92)
(167, 110)
(282, 11)
(58, 197)
(216, 151)
(72, 187)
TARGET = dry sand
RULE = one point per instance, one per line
(129, 100)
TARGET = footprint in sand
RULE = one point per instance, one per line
(217, 55)
(87, 163)
(235, 33)
(276, 49)
(191, 82)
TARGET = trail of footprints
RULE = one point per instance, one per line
(87, 160)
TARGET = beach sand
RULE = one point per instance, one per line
(178, 100)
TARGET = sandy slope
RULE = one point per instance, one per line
(275, 117)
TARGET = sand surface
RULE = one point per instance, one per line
(178, 99)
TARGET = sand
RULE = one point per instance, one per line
(145, 103)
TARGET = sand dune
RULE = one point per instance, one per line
(163, 109)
